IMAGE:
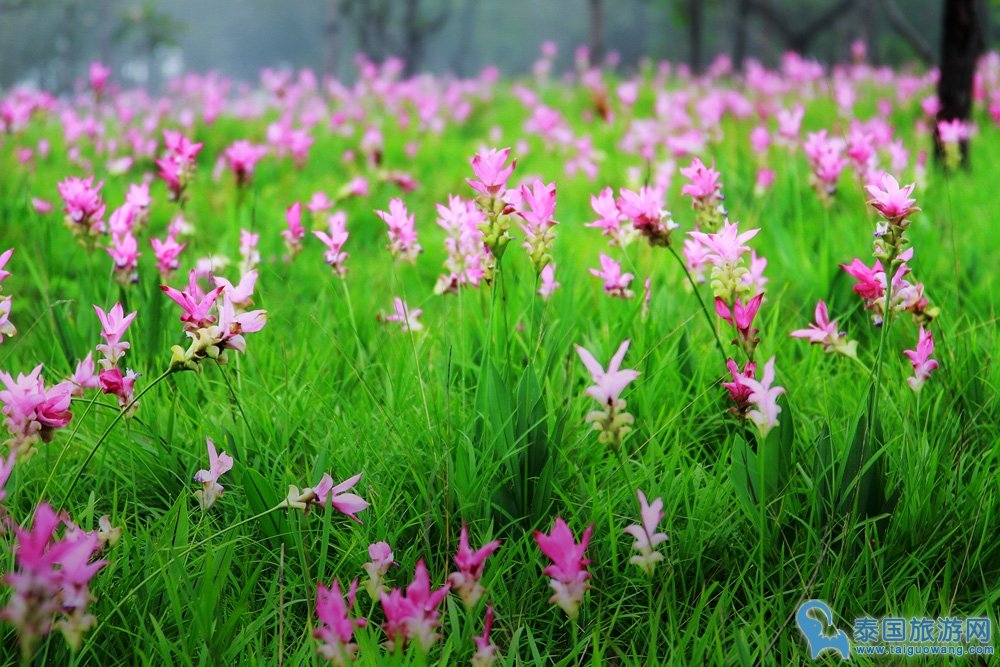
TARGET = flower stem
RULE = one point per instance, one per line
(701, 302)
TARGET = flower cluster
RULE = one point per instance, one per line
(334, 238)
(468, 261)
(470, 568)
(413, 616)
(537, 206)
(705, 191)
(491, 175)
(327, 494)
(645, 209)
(756, 400)
(32, 411)
(402, 233)
(826, 162)
(335, 630)
(646, 537)
(84, 207)
(568, 575)
(114, 323)
(241, 157)
(177, 165)
(616, 283)
(613, 422)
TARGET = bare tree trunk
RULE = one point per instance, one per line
(330, 36)
(695, 12)
(596, 31)
(961, 45)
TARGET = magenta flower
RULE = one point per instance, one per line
(491, 171)
(763, 399)
(741, 318)
(953, 131)
(83, 205)
(824, 332)
(114, 323)
(348, 504)
(401, 230)
(296, 232)
(538, 205)
(197, 307)
(218, 464)
(167, 253)
(646, 537)
(124, 251)
(413, 616)
(549, 283)
(468, 259)
(112, 381)
(739, 392)
(335, 630)
(470, 568)
(616, 283)
(334, 240)
(892, 201)
(920, 359)
(486, 651)
(98, 75)
(706, 192)
(32, 411)
(84, 377)
(381, 557)
(408, 319)
(568, 573)
(610, 220)
(645, 209)
(242, 157)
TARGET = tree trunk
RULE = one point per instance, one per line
(961, 45)
(596, 31)
(740, 36)
(694, 34)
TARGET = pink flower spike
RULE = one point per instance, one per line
(646, 537)
(240, 294)
(616, 283)
(218, 464)
(609, 384)
(197, 312)
(568, 573)
(486, 651)
(409, 319)
(348, 504)
(491, 171)
(824, 332)
(763, 399)
(4, 258)
(920, 359)
(470, 568)
(892, 201)
(549, 283)
(382, 559)
(413, 616)
(335, 630)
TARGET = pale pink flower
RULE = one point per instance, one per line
(401, 230)
(470, 568)
(167, 253)
(33, 411)
(608, 384)
(568, 573)
(491, 171)
(114, 323)
(248, 249)
(124, 251)
(549, 283)
(41, 206)
(704, 181)
(486, 651)
(7, 328)
(335, 630)
(892, 201)
(334, 240)
(610, 220)
(413, 616)
(645, 209)
(920, 359)
(646, 537)
(763, 399)
(4, 258)
(319, 203)
(334, 495)
(296, 232)
(824, 332)
(84, 377)
(725, 247)
(408, 319)
(218, 465)
(381, 557)
(242, 157)
(953, 131)
(240, 294)
(616, 283)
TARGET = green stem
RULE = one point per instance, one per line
(701, 302)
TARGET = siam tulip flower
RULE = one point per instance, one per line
(616, 283)
(137, 197)
(107, 535)
(891, 201)
(7, 327)
(611, 222)
(705, 191)
(4, 258)
(85, 376)
(32, 411)
(177, 166)
(356, 187)
(826, 161)
(319, 203)
(470, 569)
(739, 393)
(98, 75)
(920, 359)
(549, 282)
(760, 140)
(41, 206)
(413, 616)
(646, 537)
(112, 381)
(408, 319)
(241, 294)
(486, 651)
(741, 317)
(568, 573)
(611, 420)
(334, 240)
(754, 277)
(167, 253)
(764, 181)
(724, 251)
(762, 401)
(402, 234)
(83, 206)
(248, 250)
(296, 232)
(492, 172)
(538, 205)
(50, 581)
(824, 332)
(122, 220)
(114, 323)
(335, 630)
(381, 557)
(645, 209)
(124, 251)
(197, 307)
(326, 493)
(468, 261)
(218, 465)
(6, 468)
(242, 157)
(790, 125)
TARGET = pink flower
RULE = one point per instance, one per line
(920, 359)
(124, 251)
(6, 468)
(486, 652)
(41, 206)
(739, 392)
(334, 240)
(568, 572)
(824, 332)
(549, 282)
(33, 411)
(491, 171)
(763, 399)
(470, 568)
(296, 232)
(83, 204)
(611, 219)
(218, 465)
(953, 131)
(764, 180)
(381, 557)
(335, 630)
(248, 249)
(319, 203)
(616, 283)
(114, 323)
(112, 381)
(167, 253)
(608, 384)
(704, 181)
(725, 247)
(467, 257)
(348, 504)
(242, 157)
(892, 201)
(871, 281)
(741, 318)
(402, 233)
(413, 616)
(790, 123)
(4, 258)
(538, 205)
(645, 209)
(98, 75)
(240, 294)
(50, 580)
(402, 314)
(197, 308)
(84, 377)
(7, 328)
(646, 537)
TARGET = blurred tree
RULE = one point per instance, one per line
(384, 31)
(962, 43)
(151, 30)
(596, 43)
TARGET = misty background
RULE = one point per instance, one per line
(49, 43)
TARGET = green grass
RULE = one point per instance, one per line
(480, 418)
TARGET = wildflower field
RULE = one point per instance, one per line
(578, 368)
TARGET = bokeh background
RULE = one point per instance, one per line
(49, 42)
